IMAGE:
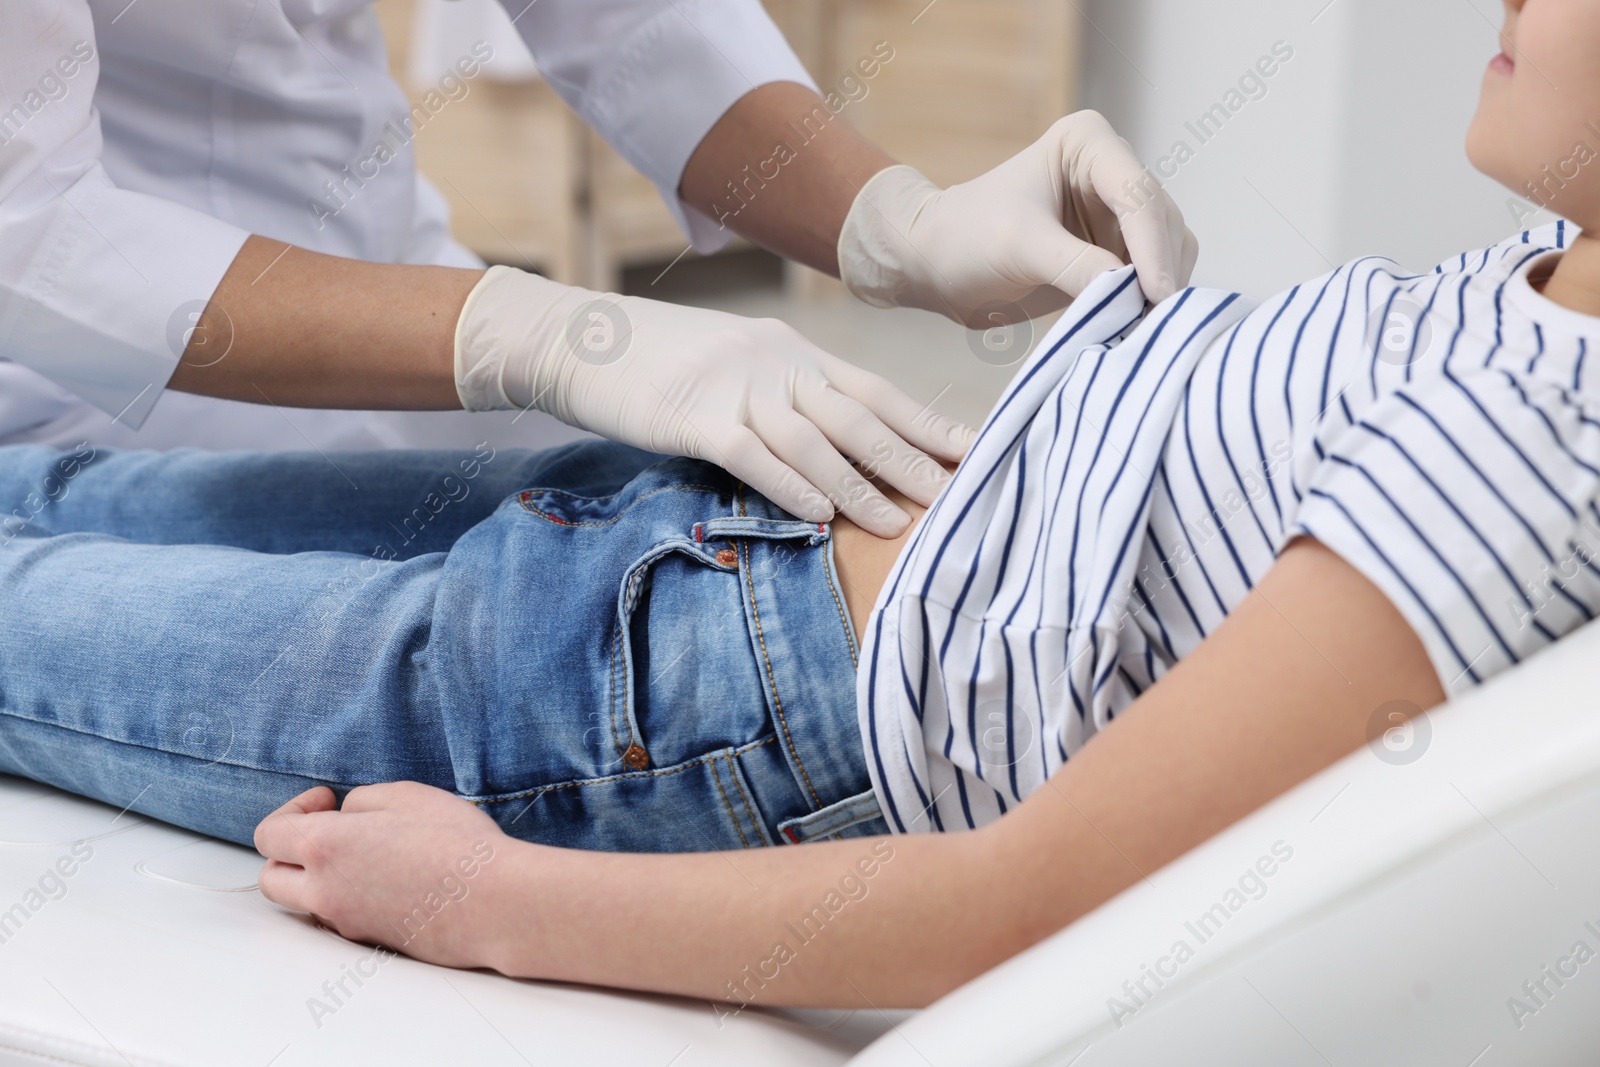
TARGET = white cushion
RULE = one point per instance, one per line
(160, 950)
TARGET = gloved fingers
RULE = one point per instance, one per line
(1043, 300)
(796, 440)
(861, 435)
(1152, 226)
(1056, 257)
(1097, 221)
(745, 456)
(1185, 246)
(1190, 256)
(916, 423)
(1154, 235)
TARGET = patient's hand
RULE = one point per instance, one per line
(403, 865)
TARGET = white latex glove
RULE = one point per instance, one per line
(750, 395)
(1021, 240)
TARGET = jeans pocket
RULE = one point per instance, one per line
(686, 676)
(629, 646)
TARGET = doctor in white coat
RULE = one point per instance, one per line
(162, 163)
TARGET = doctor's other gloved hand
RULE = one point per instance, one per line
(750, 395)
(1022, 240)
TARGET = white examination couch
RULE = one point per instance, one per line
(1435, 899)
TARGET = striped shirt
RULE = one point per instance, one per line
(1441, 432)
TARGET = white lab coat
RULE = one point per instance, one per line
(140, 143)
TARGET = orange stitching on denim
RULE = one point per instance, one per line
(716, 780)
(844, 620)
(612, 778)
(749, 809)
(522, 498)
(772, 677)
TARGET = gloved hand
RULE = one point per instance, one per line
(1021, 240)
(751, 395)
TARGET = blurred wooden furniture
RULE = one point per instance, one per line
(509, 159)
(970, 83)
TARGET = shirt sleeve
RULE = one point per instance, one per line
(653, 76)
(97, 284)
(1469, 499)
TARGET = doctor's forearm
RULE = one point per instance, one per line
(297, 328)
(782, 170)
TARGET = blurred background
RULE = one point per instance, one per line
(1352, 144)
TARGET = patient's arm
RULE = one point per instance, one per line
(1282, 689)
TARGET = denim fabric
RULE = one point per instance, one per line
(602, 648)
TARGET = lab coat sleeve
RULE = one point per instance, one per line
(97, 284)
(653, 76)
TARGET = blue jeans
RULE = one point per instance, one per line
(602, 648)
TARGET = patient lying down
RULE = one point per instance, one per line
(1193, 551)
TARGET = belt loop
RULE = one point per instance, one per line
(830, 820)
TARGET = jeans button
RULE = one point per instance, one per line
(636, 758)
(727, 557)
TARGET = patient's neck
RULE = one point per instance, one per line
(1575, 282)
